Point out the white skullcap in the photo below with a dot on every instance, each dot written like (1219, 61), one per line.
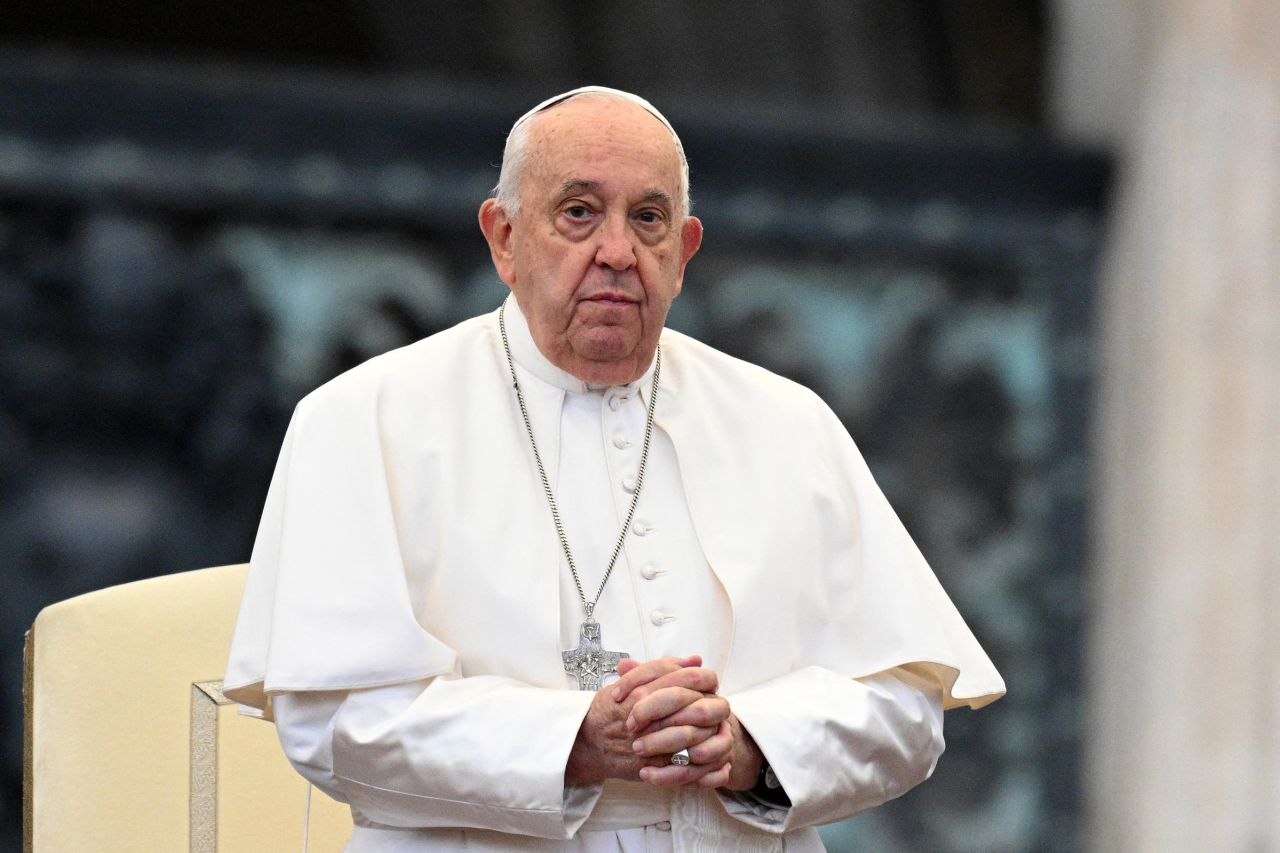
(603, 90)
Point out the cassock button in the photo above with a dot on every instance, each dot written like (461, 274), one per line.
(663, 826)
(650, 572)
(659, 618)
(616, 401)
(629, 483)
(621, 442)
(641, 528)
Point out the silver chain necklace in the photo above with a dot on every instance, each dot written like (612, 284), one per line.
(589, 661)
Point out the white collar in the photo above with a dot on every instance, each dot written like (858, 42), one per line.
(526, 354)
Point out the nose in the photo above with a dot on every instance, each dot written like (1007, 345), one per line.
(615, 248)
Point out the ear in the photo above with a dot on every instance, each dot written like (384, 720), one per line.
(498, 232)
(690, 241)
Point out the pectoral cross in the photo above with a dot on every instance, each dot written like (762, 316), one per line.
(589, 661)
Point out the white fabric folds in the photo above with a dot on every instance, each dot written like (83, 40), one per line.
(406, 536)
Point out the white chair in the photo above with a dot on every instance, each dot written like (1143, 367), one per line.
(130, 744)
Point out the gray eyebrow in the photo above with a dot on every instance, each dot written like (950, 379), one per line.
(569, 187)
(659, 196)
(577, 185)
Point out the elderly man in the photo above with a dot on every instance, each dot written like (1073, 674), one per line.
(560, 579)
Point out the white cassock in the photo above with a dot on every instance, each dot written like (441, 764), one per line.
(408, 600)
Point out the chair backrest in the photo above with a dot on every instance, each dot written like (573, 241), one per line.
(130, 744)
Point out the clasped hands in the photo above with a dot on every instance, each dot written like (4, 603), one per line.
(655, 709)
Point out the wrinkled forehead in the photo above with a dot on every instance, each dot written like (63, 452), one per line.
(603, 90)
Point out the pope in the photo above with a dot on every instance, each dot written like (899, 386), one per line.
(562, 579)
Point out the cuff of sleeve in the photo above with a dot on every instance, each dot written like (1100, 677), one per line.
(579, 802)
(497, 772)
(751, 810)
(839, 745)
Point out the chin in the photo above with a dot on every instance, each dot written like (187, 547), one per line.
(612, 365)
(607, 344)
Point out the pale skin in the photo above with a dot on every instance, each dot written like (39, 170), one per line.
(656, 708)
(598, 251)
(594, 258)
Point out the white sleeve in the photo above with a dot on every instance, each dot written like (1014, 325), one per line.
(838, 746)
(483, 752)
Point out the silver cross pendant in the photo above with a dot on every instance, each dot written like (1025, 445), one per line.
(589, 662)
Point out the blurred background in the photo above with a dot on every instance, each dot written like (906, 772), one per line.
(1026, 249)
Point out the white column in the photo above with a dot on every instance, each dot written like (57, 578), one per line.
(1184, 726)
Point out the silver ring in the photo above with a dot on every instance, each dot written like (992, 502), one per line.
(681, 758)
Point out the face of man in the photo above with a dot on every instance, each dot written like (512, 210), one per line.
(598, 250)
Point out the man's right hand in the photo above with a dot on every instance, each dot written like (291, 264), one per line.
(604, 746)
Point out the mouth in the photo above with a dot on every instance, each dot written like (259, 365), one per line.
(611, 298)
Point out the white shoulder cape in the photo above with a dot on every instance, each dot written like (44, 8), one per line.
(405, 534)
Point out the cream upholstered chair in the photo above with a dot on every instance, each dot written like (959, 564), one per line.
(130, 744)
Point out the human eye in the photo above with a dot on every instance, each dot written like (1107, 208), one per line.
(651, 217)
(652, 224)
(576, 217)
(576, 211)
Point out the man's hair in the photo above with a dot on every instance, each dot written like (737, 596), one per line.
(515, 156)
